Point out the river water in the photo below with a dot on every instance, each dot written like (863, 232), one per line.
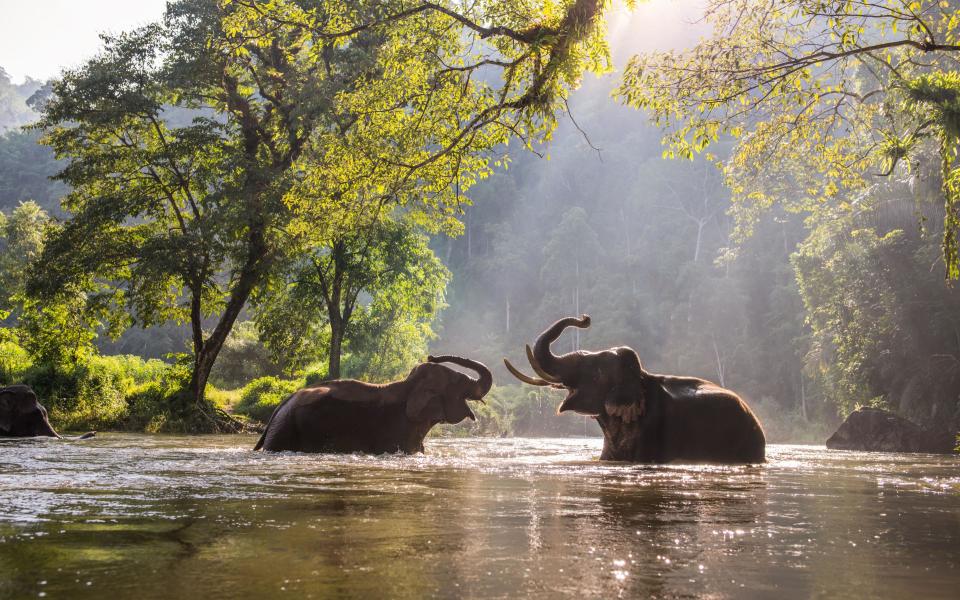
(136, 516)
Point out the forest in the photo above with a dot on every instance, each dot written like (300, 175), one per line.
(193, 229)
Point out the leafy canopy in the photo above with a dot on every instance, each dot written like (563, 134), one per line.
(201, 150)
(822, 97)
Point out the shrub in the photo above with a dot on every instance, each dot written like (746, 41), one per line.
(88, 395)
(259, 397)
(315, 378)
(223, 399)
(103, 392)
(163, 406)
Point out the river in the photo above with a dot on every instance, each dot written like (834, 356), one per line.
(137, 516)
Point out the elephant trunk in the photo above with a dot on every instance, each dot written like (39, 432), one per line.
(557, 367)
(486, 377)
(46, 429)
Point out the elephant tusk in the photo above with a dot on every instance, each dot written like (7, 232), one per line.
(527, 379)
(535, 364)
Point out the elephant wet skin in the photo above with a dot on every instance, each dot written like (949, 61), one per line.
(354, 416)
(646, 417)
(22, 415)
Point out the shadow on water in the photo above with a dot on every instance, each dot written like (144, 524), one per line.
(151, 517)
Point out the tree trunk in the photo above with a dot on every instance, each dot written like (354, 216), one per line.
(626, 232)
(507, 300)
(336, 345)
(696, 250)
(205, 359)
(196, 318)
(210, 349)
(803, 398)
(716, 353)
(576, 307)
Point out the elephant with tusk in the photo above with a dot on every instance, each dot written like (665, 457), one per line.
(646, 417)
(353, 416)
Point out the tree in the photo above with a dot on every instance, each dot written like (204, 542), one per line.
(885, 330)
(822, 96)
(21, 241)
(55, 333)
(304, 117)
(352, 293)
(15, 108)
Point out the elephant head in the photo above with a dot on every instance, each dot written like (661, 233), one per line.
(439, 394)
(610, 381)
(22, 415)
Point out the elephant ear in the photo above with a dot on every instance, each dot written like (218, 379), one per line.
(8, 406)
(425, 399)
(626, 399)
(425, 405)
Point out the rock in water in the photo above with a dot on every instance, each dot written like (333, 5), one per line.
(875, 430)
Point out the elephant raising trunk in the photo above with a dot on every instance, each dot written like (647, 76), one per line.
(555, 371)
(553, 368)
(646, 417)
(483, 383)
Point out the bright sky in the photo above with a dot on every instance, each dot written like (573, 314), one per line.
(39, 38)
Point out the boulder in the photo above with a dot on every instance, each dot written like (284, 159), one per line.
(875, 430)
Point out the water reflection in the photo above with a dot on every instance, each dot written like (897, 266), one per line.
(204, 517)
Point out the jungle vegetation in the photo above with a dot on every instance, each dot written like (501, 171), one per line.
(253, 196)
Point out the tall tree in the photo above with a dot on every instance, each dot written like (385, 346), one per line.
(350, 293)
(822, 96)
(21, 241)
(885, 328)
(203, 148)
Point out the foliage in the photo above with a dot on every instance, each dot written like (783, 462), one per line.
(15, 106)
(201, 149)
(821, 96)
(94, 393)
(372, 294)
(647, 232)
(14, 362)
(21, 241)
(261, 396)
(885, 330)
(789, 426)
(60, 331)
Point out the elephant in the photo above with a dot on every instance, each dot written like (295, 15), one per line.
(22, 415)
(346, 415)
(645, 417)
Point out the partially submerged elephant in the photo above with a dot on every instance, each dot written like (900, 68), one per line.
(353, 416)
(22, 415)
(646, 417)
